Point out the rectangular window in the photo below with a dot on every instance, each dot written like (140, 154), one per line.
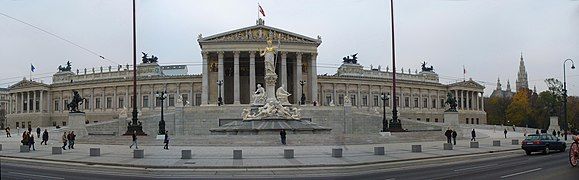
(171, 100)
(353, 100)
(97, 103)
(131, 101)
(459, 103)
(398, 101)
(472, 120)
(415, 102)
(197, 99)
(477, 121)
(424, 102)
(341, 99)
(185, 98)
(365, 100)
(37, 105)
(109, 103)
(433, 103)
(427, 119)
(121, 103)
(17, 124)
(23, 125)
(157, 101)
(145, 101)
(64, 105)
(56, 106)
(63, 123)
(328, 99)
(435, 119)
(87, 104)
(467, 120)
(406, 102)
(441, 103)
(25, 108)
(388, 101)
(376, 100)
(418, 119)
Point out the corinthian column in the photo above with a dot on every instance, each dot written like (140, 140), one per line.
(251, 74)
(236, 77)
(284, 69)
(220, 74)
(298, 78)
(205, 80)
(313, 73)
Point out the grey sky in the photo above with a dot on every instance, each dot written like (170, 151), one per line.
(486, 36)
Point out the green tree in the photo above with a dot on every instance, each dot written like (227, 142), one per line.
(519, 110)
(496, 109)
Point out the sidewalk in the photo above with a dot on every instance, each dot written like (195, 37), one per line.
(253, 157)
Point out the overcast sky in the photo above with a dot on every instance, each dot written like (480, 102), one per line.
(485, 36)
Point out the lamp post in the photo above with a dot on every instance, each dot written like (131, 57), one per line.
(219, 99)
(395, 125)
(135, 126)
(162, 96)
(303, 98)
(565, 95)
(384, 97)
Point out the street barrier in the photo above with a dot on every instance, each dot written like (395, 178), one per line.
(138, 153)
(186, 154)
(95, 151)
(416, 148)
(56, 150)
(496, 143)
(379, 151)
(337, 152)
(237, 154)
(447, 146)
(24, 148)
(474, 144)
(515, 142)
(288, 153)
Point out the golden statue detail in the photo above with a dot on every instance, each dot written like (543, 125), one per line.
(268, 53)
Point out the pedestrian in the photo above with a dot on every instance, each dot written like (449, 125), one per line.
(537, 132)
(8, 132)
(554, 133)
(68, 136)
(473, 135)
(44, 137)
(282, 135)
(24, 138)
(505, 133)
(31, 142)
(514, 128)
(29, 129)
(134, 140)
(72, 140)
(558, 133)
(454, 134)
(166, 141)
(64, 139)
(38, 131)
(448, 134)
(17, 129)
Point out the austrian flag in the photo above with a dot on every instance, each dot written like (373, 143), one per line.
(261, 10)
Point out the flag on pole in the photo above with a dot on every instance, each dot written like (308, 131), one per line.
(261, 10)
(463, 70)
(32, 68)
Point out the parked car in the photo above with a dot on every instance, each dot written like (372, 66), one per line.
(542, 143)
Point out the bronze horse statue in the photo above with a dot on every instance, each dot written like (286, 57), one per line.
(75, 103)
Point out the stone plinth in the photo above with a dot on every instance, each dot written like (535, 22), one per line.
(416, 148)
(186, 154)
(24, 148)
(553, 124)
(288, 153)
(95, 151)
(56, 150)
(474, 144)
(76, 123)
(451, 121)
(237, 154)
(496, 143)
(138, 153)
(379, 151)
(448, 146)
(515, 142)
(337, 152)
(0, 147)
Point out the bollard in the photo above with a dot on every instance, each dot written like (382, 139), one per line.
(474, 144)
(496, 143)
(378, 150)
(337, 152)
(288, 153)
(24, 148)
(447, 146)
(186, 154)
(0, 147)
(95, 151)
(138, 153)
(416, 148)
(515, 142)
(237, 154)
(56, 150)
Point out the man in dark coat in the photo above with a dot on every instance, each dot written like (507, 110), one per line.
(38, 131)
(282, 134)
(166, 140)
(135, 143)
(454, 134)
(448, 134)
(473, 134)
(31, 142)
(44, 137)
(505, 133)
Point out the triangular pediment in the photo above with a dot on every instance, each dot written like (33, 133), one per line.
(259, 33)
(469, 83)
(27, 84)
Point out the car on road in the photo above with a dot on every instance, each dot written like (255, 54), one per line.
(542, 143)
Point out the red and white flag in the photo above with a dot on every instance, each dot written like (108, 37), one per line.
(261, 10)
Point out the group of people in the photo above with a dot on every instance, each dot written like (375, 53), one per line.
(450, 135)
(28, 138)
(68, 139)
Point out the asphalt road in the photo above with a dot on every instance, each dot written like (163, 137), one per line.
(514, 165)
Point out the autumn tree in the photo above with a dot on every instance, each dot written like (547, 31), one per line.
(519, 110)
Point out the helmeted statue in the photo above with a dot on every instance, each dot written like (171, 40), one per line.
(268, 53)
(76, 101)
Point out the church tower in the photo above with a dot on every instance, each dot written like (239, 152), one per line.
(499, 86)
(508, 86)
(522, 81)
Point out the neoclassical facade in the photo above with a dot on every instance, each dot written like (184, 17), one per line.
(233, 58)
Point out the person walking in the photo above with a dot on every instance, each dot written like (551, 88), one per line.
(454, 134)
(473, 135)
(68, 136)
(448, 134)
(8, 132)
(558, 133)
(17, 130)
(44, 137)
(38, 131)
(537, 132)
(166, 140)
(554, 133)
(25, 137)
(505, 133)
(31, 142)
(72, 140)
(64, 139)
(134, 140)
(282, 135)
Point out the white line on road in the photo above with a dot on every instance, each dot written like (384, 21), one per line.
(476, 167)
(41, 176)
(519, 173)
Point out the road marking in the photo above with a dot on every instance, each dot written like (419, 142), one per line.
(24, 174)
(476, 167)
(519, 173)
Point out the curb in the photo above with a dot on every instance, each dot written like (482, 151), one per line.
(262, 167)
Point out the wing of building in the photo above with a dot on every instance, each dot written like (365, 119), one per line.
(233, 58)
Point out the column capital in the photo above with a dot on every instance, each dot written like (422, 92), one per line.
(220, 53)
(299, 54)
(252, 54)
(205, 54)
(236, 54)
(314, 54)
(284, 53)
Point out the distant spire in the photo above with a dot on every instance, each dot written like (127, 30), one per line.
(508, 85)
(522, 81)
(499, 86)
(535, 88)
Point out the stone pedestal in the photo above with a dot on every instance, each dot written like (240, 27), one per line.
(496, 143)
(451, 121)
(416, 148)
(474, 144)
(186, 154)
(138, 153)
(515, 142)
(76, 123)
(95, 151)
(56, 150)
(237, 154)
(379, 151)
(337, 152)
(553, 124)
(448, 146)
(24, 148)
(288, 153)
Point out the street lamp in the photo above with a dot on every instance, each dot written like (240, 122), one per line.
(565, 95)
(395, 125)
(135, 126)
(303, 98)
(384, 97)
(161, 96)
(219, 99)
